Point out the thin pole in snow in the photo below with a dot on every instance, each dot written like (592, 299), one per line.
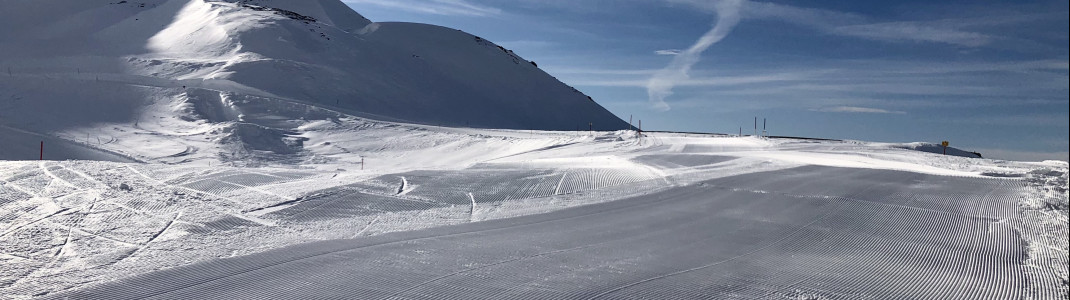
(362, 163)
(629, 122)
(42, 157)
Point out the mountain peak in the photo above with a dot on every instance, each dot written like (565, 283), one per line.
(331, 12)
(96, 63)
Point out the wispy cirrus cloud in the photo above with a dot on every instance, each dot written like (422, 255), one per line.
(983, 83)
(912, 67)
(599, 72)
(912, 31)
(859, 26)
(668, 52)
(436, 7)
(729, 13)
(857, 109)
(660, 86)
(696, 81)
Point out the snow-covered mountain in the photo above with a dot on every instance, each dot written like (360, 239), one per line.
(198, 149)
(211, 65)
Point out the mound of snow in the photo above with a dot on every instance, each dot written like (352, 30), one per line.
(938, 149)
(260, 138)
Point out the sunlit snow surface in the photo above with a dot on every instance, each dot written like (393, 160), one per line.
(725, 216)
(204, 148)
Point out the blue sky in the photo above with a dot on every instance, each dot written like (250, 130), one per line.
(988, 76)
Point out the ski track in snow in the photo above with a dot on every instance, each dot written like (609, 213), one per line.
(242, 185)
(230, 212)
(834, 238)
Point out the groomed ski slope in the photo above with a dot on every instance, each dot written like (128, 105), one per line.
(239, 149)
(789, 218)
(808, 232)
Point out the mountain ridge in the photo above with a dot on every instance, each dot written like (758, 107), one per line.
(113, 64)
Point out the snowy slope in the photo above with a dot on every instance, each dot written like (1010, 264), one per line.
(69, 225)
(211, 132)
(313, 51)
(937, 148)
(111, 65)
(800, 233)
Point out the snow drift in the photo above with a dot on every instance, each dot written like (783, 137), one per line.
(938, 149)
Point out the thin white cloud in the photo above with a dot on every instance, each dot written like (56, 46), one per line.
(695, 82)
(859, 26)
(810, 17)
(913, 31)
(436, 7)
(857, 109)
(1059, 65)
(947, 68)
(897, 84)
(668, 52)
(662, 83)
(597, 71)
